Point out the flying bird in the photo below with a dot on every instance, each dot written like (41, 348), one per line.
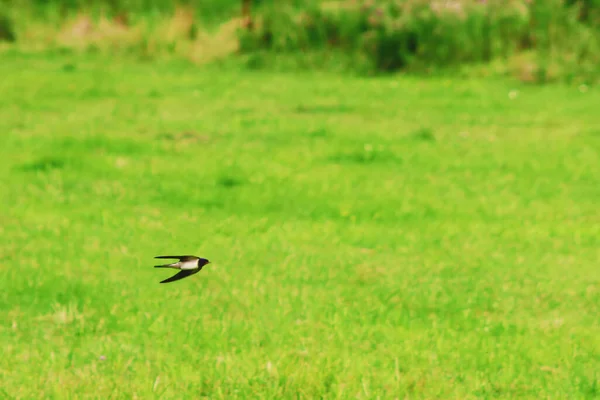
(188, 265)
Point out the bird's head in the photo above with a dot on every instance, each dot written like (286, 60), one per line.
(202, 262)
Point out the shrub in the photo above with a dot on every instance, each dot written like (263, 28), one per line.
(423, 34)
(7, 30)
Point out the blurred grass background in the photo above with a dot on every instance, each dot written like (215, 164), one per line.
(535, 41)
(429, 232)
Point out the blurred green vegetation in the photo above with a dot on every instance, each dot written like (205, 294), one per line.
(558, 40)
(536, 41)
(208, 9)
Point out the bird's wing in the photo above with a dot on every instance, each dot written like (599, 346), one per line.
(181, 258)
(180, 275)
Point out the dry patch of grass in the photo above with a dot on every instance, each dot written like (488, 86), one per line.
(224, 42)
(83, 32)
(181, 34)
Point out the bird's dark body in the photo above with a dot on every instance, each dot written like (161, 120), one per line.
(188, 265)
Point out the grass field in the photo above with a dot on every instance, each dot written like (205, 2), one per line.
(384, 238)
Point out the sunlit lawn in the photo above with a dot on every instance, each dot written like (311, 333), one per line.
(385, 238)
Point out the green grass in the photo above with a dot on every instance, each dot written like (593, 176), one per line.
(383, 238)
